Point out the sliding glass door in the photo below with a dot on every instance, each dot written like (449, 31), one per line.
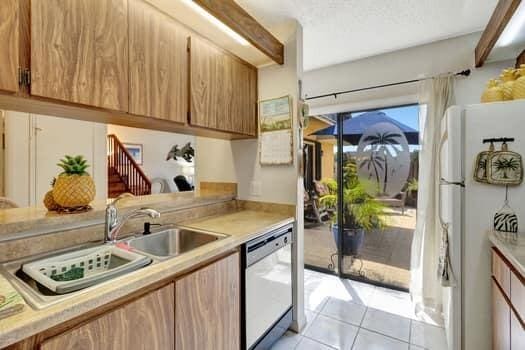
(370, 200)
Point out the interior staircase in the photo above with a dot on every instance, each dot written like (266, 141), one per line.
(124, 174)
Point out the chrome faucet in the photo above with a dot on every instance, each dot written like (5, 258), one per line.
(113, 223)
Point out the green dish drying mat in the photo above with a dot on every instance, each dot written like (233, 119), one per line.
(71, 275)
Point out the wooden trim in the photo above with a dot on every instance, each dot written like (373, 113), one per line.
(39, 105)
(500, 18)
(240, 21)
(520, 59)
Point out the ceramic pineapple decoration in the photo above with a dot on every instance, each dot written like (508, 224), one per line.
(508, 78)
(49, 200)
(518, 92)
(493, 92)
(74, 187)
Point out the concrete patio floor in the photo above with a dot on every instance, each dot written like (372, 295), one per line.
(385, 254)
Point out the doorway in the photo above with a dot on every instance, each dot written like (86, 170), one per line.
(375, 159)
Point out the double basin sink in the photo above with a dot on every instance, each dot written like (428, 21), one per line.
(106, 262)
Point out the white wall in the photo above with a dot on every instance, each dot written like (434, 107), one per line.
(450, 55)
(35, 144)
(277, 184)
(215, 161)
(156, 145)
(468, 91)
(17, 164)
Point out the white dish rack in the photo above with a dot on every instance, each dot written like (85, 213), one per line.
(96, 264)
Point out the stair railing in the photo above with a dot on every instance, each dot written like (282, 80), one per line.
(129, 171)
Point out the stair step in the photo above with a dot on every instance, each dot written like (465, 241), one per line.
(117, 186)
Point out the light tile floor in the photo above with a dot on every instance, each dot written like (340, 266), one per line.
(350, 315)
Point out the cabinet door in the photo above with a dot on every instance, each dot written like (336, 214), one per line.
(146, 323)
(9, 37)
(517, 333)
(208, 307)
(500, 320)
(501, 272)
(223, 89)
(158, 64)
(79, 51)
(517, 298)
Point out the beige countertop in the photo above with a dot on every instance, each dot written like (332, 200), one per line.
(32, 221)
(241, 226)
(512, 247)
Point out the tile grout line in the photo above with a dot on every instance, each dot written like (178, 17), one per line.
(386, 336)
(318, 341)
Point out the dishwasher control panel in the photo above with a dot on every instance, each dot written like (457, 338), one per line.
(263, 246)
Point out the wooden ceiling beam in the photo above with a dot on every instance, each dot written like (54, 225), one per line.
(240, 21)
(501, 16)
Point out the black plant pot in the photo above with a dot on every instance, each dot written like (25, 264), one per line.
(353, 239)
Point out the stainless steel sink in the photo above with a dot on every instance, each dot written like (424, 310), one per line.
(39, 296)
(161, 245)
(172, 242)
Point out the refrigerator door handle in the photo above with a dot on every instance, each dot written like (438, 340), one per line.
(444, 182)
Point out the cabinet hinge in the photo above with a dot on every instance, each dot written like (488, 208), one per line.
(188, 116)
(24, 77)
(188, 44)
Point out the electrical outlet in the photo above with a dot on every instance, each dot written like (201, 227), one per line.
(255, 188)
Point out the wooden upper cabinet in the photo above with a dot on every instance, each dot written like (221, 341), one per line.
(146, 323)
(158, 64)
(9, 37)
(223, 89)
(79, 51)
(208, 307)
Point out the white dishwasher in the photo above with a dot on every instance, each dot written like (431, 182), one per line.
(267, 288)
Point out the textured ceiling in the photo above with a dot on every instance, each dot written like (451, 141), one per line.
(337, 31)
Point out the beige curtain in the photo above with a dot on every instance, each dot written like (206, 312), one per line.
(436, 95)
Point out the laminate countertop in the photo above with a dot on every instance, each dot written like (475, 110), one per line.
(512, 247)
(241, 226)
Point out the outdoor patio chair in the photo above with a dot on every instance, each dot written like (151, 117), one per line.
(398, 201)
(313, 210)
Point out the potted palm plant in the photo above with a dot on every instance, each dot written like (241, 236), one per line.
(361, 212)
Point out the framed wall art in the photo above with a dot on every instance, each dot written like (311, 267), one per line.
(135, 150)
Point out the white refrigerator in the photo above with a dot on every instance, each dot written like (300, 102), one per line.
(468, 208)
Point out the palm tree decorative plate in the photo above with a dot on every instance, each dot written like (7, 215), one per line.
(480, 166)
(504, 167)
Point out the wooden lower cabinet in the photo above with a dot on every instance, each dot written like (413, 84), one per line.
(517, 333)
(198, 311)
(207, 307)
(146, 323)
(500, 320)
(508, 305)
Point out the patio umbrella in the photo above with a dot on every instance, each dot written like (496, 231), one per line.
(354, 127)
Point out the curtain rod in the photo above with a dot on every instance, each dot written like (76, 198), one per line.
(465, 73)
